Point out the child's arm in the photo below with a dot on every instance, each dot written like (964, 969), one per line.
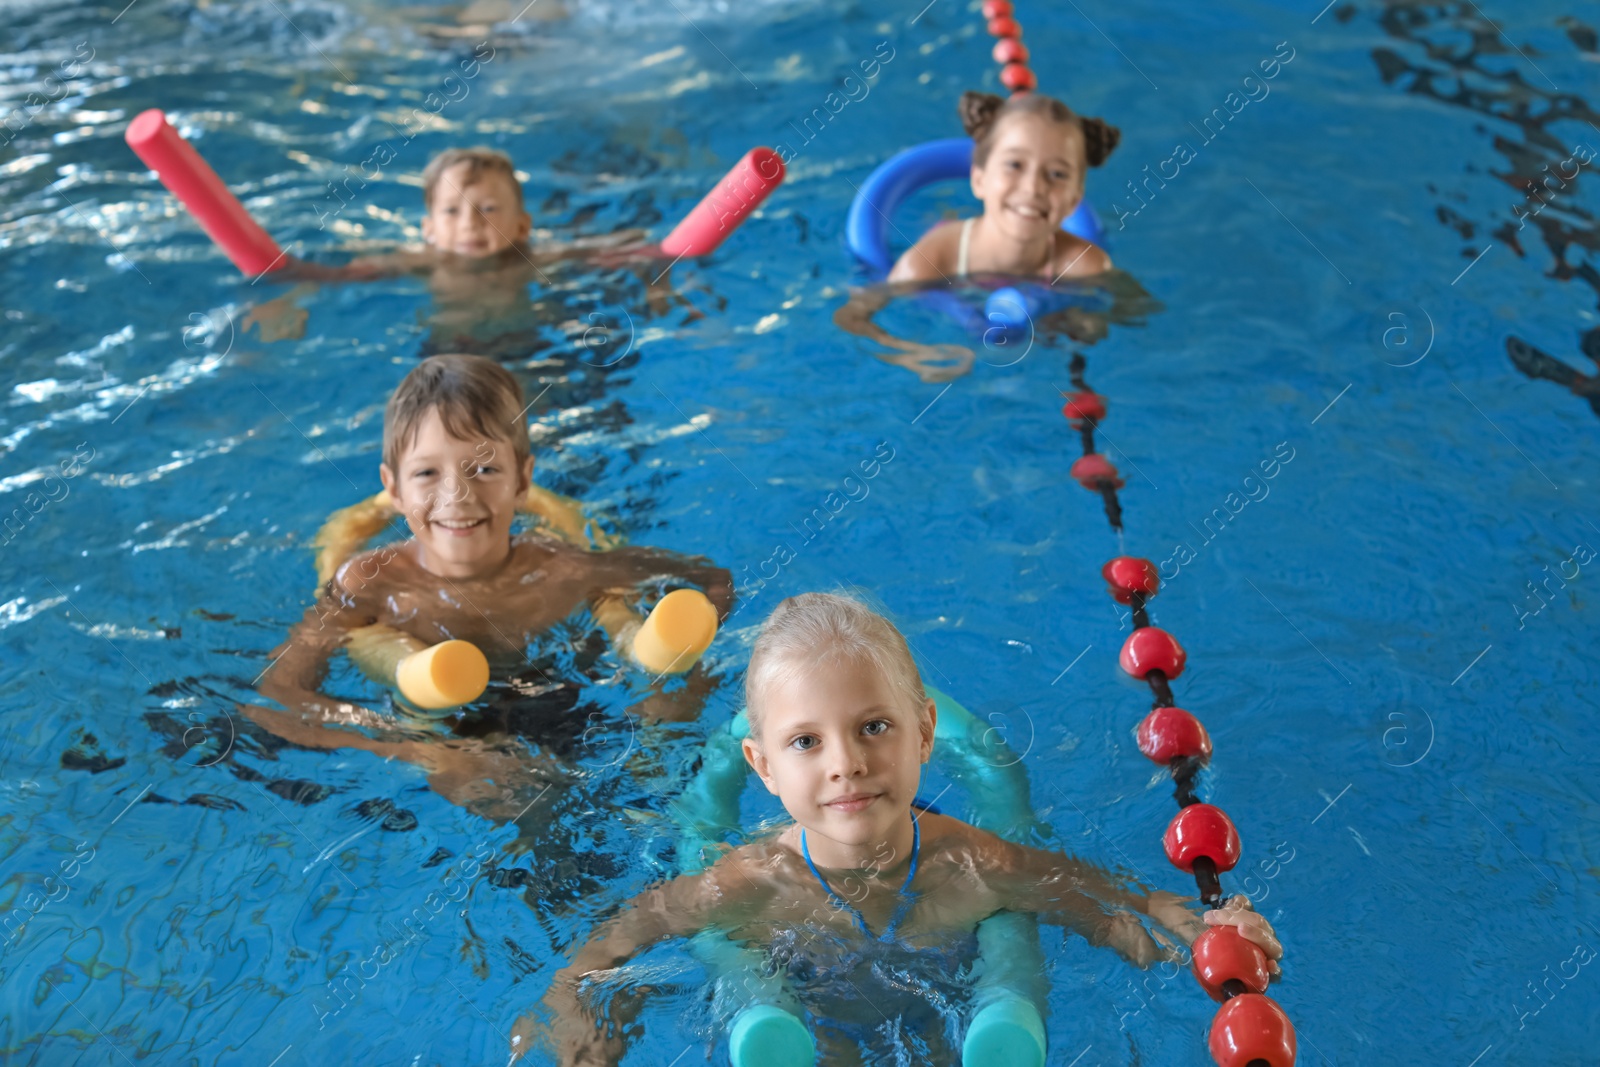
(627, 568)
(297, 668)
(1078, 258)
(1168, 910)
(724, 894)
(360, 269)
(295, 674)
(1070, 892)
(608, 249)
(281, 318)
(926, 261)
(488, 780)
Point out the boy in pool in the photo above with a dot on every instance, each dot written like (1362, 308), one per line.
(477, 259)
(1030, 154)
(456, 461)
(839, 729)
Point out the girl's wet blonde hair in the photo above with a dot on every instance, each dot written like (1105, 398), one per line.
(818, 631)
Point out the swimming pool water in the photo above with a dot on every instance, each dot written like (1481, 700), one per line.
(1387, 639)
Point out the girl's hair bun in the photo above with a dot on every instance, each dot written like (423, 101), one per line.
(981, 114)
(1099, 138)
(978, 111)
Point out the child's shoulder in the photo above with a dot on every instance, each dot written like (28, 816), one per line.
(933, 257)
(369, 573)
(946, 839)
(536, 552)
(751, 873)
(1077, 258)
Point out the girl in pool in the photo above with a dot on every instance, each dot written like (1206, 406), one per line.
(839, 730)
(1029, 157)
(1030, 154)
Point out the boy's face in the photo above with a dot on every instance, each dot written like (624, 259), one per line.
(1033, 178)
(459, 497)
(844, 752)
(481, 219)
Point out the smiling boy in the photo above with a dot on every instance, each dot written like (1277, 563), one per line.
(456, 461)
(477, 258)
(839, 729)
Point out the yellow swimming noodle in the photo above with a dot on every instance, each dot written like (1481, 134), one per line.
(445, 675)
(670, 640)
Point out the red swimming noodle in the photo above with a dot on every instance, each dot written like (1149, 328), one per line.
(739, 193)
(191, 179)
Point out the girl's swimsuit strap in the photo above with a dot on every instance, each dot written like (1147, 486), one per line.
(966, 244)
(905, 901)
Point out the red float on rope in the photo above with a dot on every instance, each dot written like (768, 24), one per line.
(1010, 50)
(1250, 1030)
(1095, 468)
(1150, 648)
(1201, 831)
(1252, 1027)
(1018, 78)
(1127, 575)
(1004, 26)
(996, 9)
(1080, 406)
(1167, 734)
(1223, 954)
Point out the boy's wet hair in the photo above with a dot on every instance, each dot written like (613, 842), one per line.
(479, 161)
(981, 114)
(477, 399)
(815, 631)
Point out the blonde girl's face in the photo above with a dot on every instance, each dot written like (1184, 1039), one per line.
(1033, 178)
(843, 750)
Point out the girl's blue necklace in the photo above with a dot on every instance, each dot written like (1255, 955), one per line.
(905, 898)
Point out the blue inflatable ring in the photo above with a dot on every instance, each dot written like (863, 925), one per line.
(867, 228)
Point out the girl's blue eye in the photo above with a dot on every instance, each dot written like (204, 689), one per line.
(882, 724)
(805, 743)
(488, 470)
